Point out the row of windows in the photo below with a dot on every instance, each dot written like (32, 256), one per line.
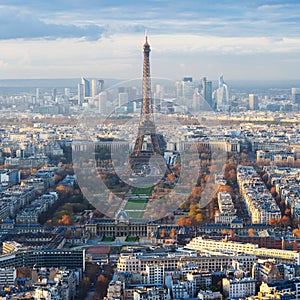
(242, 287)
(50, 259)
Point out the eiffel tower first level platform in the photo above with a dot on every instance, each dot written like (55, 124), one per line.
(146, 146)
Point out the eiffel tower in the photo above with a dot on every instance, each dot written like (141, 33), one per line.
(142, 151)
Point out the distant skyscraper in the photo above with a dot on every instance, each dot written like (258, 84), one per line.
(101, 85)
(37, 94)
(86, 85)
(253, 102)
(67, 93)
(159, 89)
(221, 81)
(178, 86)
(295, 91)
(158, 96)
(207, 91)
(80, 94)
(188, 79)
(97, 87)
(196, 100)
(131, 107)
(185, 91)
(123, 98)
(221, 95)
(94, 89)
(102, 104)
(54, 94)
(296, 96)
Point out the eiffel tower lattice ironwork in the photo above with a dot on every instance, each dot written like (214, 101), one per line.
(141, 156)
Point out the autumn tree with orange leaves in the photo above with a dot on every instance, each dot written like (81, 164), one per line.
(173, 233)
(251, 232)
(296, 233)
(65, 220)
(181, 221)
(185, 221)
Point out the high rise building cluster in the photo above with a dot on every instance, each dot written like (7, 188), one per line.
(197, 96)
(89, 89)
(186, 95)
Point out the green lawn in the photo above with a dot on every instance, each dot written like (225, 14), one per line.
(108, 239)
(135, 214)
(143, 191)
(132, 239)
(136, 205)
(138, 200)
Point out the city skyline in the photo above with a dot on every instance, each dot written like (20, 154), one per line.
(148, 188)
(258, 40)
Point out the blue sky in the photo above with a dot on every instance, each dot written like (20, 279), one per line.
(69, 38)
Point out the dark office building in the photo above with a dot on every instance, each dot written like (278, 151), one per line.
(71, 259)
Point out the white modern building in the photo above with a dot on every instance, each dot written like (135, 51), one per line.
(155, 274)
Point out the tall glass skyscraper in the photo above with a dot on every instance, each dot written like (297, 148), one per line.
(207, 91)
(87, 89)
(221, 95)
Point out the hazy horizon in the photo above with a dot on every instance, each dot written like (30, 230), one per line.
(64, 82)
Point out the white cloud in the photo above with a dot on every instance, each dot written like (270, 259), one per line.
(3, 64)
(184, 43)
(278, 7)
(120, 56)
(21, 23)
(272, 7)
